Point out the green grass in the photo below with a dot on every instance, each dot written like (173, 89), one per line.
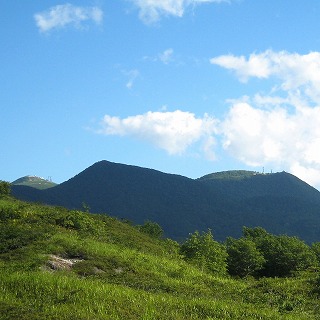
(230, 175)
(125, 274)
(65, 296)
(34, 182)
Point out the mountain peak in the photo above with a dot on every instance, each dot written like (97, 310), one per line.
(34, 182)
(230, 175)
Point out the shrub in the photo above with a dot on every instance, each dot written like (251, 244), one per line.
(244, 258)
(152, 229)
(203, 251)
(283, 254)
(4, 188)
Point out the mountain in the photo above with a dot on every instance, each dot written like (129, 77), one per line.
(34, 182)
(241, 184)
(224, 202)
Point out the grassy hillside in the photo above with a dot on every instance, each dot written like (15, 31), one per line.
(62, 264)
(229, 175)
(34, 182)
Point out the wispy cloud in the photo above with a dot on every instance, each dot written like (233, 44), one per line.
(151, 10)
(166, 56)
(131, 75)
(67, 14)
(172, 131)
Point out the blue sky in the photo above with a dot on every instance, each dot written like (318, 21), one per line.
(186, 86)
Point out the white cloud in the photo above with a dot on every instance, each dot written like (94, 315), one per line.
(67, 14)
(132, 76)
(295, 71)
(275, 137)
(256, 66)
(280, 129)
(209, 148)
(151, 10)
(172, 131)
(310, 175)
(166, 56)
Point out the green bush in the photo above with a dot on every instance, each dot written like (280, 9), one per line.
(284, 255)
(316, 249)
(153, 229)
(244, 259)
(203, 251)
(14, 236)
(4, 188)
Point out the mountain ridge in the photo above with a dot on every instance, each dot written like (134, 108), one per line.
(278, 202)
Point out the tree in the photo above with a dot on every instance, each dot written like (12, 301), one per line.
(254, 233)
(206, 253)
(316, 249)
(283, 254)
(153, 229)
(4, 188)
(244, 258)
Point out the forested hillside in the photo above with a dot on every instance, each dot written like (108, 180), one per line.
(57, 263)
(224, 202)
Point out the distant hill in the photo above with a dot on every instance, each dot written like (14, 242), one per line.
(34, 182)
(229, 175)
(224, 202)
(241, 184)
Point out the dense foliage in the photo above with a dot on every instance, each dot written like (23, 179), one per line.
(69, 264)
(283, 255)
(244, 258)
(4, 188)
(206, 253)
(153, 229)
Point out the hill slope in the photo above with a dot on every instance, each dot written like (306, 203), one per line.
(34, 182)
(61, 264)
(278, 202)
(241, 184)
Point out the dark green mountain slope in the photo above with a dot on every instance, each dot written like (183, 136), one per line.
(137, 194)
(241, 184)
(278, 202)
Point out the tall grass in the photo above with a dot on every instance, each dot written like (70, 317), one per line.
(65, 296)
(124, 274)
